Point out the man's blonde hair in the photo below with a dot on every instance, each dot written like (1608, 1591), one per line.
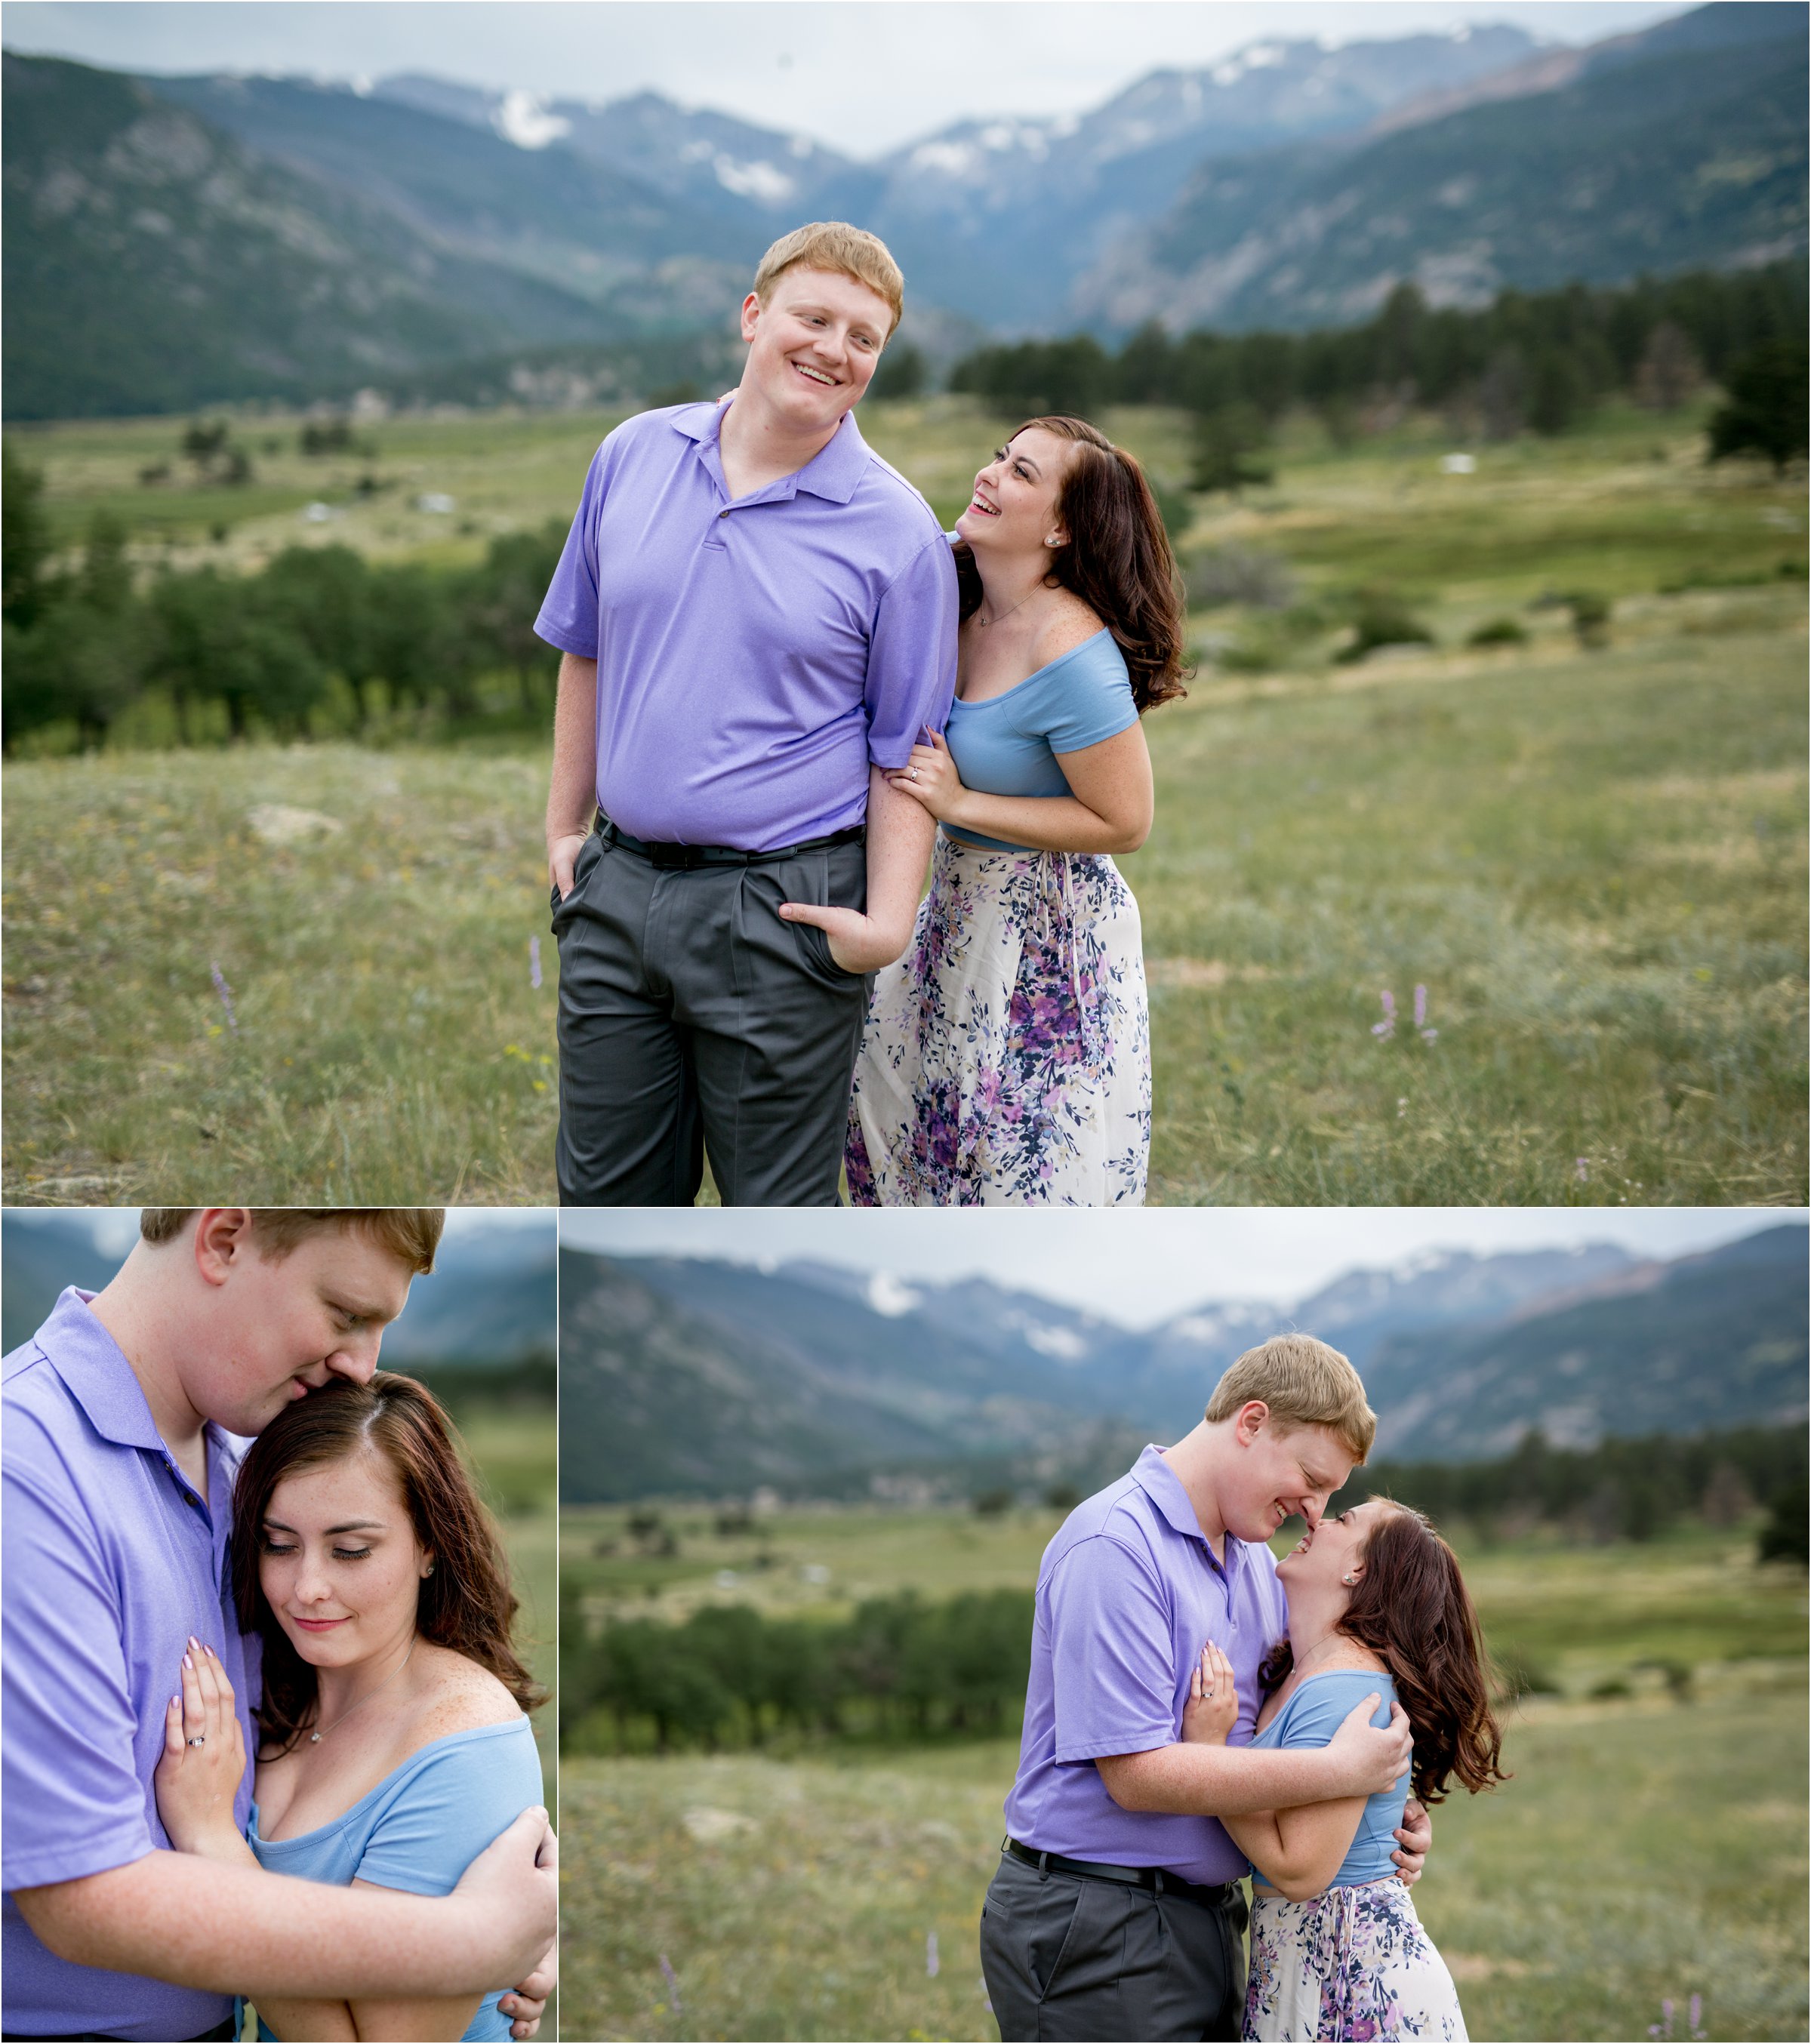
(848, 252)
(1305, 1384)
(410, 1234)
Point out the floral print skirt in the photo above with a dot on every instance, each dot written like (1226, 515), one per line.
(1353, 1963)
(1006, 1060)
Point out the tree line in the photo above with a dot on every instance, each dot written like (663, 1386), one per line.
(1620, 1489)
(1532, 361)
(898, 1667)
(321, 630)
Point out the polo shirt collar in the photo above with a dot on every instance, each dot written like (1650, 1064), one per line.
(1164, 1487)
(834, 473)
(100, 1379)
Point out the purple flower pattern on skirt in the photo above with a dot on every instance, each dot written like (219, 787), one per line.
(1353, 1964)
(1006, 1060)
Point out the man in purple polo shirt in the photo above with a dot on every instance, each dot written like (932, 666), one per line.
(1117, 1912)
(125, 1416)
(758, 617)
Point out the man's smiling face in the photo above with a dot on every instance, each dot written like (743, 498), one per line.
(813, 347)
(1280, 1474)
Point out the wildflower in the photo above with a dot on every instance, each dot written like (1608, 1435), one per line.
(1581, 1170)
(1664, 2026)
(1386, 1028)
(672, 1981)
(1427, 1036)
(534, 962)
(225, 993)
(931, 1955)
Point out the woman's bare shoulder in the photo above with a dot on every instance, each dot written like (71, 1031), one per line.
(1071, 622)
(459, 1696)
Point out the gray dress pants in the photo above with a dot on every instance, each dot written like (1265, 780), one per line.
(1095, 1962)
(692, 1018)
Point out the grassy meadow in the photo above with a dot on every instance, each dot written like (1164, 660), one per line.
(1591, 857)
(1649, 1849)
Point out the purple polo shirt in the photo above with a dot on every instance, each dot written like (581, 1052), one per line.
(109, 1561)
(755, 655)
(1128, 1594)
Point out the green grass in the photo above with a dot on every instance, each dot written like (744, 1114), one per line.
(1594, 861)
(389, 1048)
(1643, 1851)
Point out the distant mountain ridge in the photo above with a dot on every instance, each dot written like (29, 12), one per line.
(683, 1374)
(176, 242)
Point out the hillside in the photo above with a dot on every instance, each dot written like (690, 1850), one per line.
(1666, 158)
(153, 263)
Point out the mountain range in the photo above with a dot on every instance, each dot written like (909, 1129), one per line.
(689, 1375)
(490, 1301)
(174, 242)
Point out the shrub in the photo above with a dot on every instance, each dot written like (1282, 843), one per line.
(1499, 631)
(1381, 618)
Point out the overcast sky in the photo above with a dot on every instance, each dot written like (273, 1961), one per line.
(861, 75)
(1142, 1267)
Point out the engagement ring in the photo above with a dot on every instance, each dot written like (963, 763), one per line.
(200, 1741)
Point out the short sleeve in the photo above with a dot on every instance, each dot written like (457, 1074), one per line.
(1111, 1653)
(568, 616)
(911, 661)
(74, 1803)
(1094, 701)
(1317, 1709)
(458, 1800)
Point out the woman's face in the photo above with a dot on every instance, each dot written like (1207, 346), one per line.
(1323, 1558)
(339, 1562)
(1013, 508)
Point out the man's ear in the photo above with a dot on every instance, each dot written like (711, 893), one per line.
(1250, 1421)
(223, 1236)
(751, 311)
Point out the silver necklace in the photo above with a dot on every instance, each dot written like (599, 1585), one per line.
(315, 1738)
(984, 622)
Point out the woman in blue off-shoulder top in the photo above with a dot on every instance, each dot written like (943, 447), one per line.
(1007, 1057)
(1377, 1607)
(394, 1742)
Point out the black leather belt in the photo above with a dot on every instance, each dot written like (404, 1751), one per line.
(687, 856)
(1152, 1878)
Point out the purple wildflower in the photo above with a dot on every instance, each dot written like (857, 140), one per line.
(1421, 1006)
(225, 993)
(1387, 1026)
(534, 962)
(672, 1981)
(931, 1955)
(1697, 2013)
(1582, 1169)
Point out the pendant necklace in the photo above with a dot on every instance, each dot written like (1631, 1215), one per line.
(314, 1738)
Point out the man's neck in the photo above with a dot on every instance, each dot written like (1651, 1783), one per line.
(135, 1310)
(757, 447)
(1195, 1466)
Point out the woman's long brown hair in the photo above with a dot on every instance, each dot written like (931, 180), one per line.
(1412, 1609)
(465, 1604)
(1118, 559)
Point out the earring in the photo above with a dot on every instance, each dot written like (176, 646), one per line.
(1348, 1579)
